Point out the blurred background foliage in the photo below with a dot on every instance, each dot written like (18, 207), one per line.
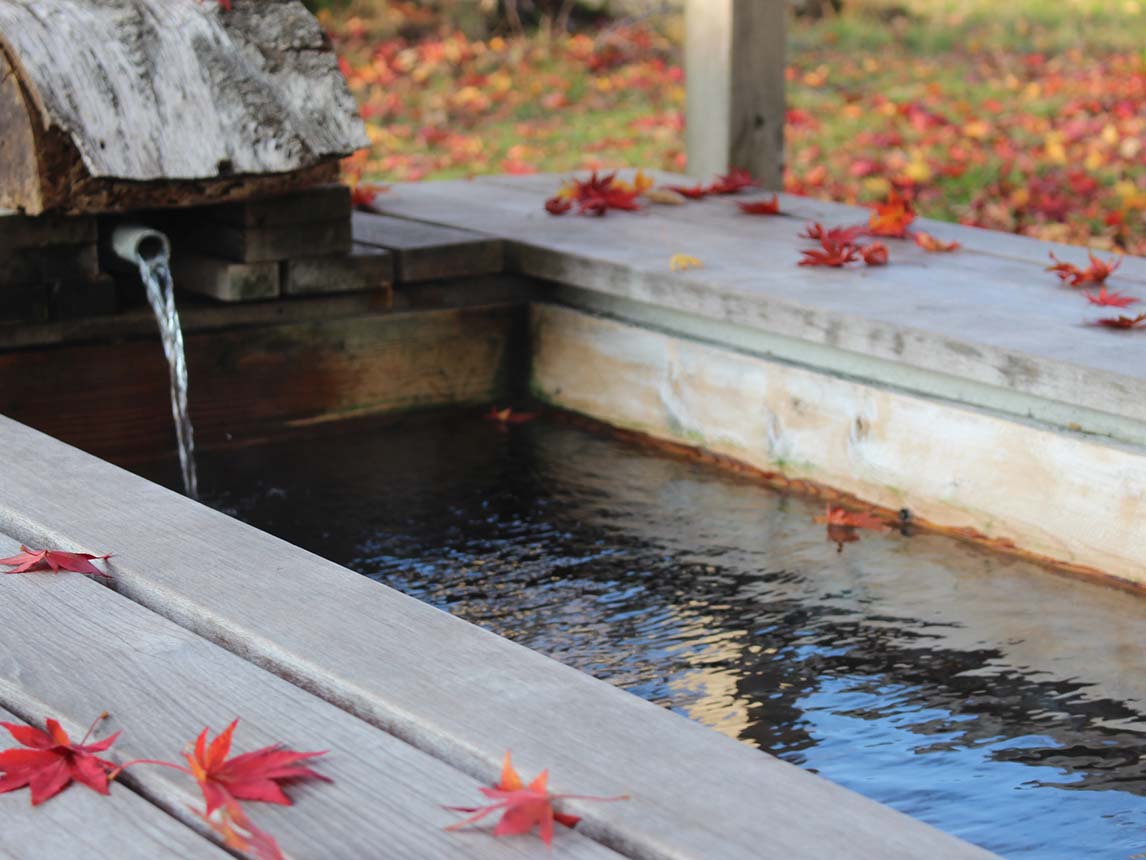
(1027, 116)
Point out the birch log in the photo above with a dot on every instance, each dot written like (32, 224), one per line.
(163, 102)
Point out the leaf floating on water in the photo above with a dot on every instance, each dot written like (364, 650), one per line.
(684, 262)
(523, 807)
(54, 560)
(49, 762)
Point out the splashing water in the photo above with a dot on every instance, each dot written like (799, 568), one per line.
(156, 274)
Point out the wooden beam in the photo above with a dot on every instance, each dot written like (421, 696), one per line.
(734, 63)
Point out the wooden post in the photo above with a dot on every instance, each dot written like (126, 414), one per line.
(734, 62)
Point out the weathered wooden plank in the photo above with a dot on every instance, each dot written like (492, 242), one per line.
(227, 280)
(162, 685)
(79, 824)
(216, 93)
(1003, 480)
(260, 244)
(427, 252)
(735, 108)
(365, 268)
(112, 398)
(19, 169)
(23, 231)
(695, 793)
(947, 314)
(330, 202)
(23, 266)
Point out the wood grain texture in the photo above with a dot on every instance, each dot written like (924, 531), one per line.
(735, 108)
(150, 89)
(248, 383)
(19, 169)
(951, 314)
(447, 687)
(428, 252)
(162, 685)
(364, 269)
(79, 824)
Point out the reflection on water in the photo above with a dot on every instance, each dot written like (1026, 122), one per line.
(984, 695)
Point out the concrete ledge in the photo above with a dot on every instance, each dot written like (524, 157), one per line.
(1066, 496)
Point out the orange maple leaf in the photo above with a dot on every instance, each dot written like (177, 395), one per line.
(523, 806)
(933, 245)
(892, 217)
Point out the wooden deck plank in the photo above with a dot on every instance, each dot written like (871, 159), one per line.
(428, 252)
(79, 824)
(447, 687)
(161, 684)
(994, 318)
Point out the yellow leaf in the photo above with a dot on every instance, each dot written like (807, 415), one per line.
(682, 262)
(665, 196)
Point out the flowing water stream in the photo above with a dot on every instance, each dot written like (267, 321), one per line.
(156, 274)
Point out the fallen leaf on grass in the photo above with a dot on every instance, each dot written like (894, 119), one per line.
(509, 415)
(762, 207)
(54, 560)
(50, 762)
(524, 807)
(874, 254)
(892, 217)
(1110, 299)
(1096, 273)
(683, 262)
(933, 245)
(1122, 322)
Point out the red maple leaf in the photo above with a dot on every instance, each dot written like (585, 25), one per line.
(835, 254)
(241, 834)
(50, 762)
(874, 254)
(365, 194)
(1110, 299)
(558, 205)
(251, 776)
(692, 192)
(35, 560)
(892, 217)
(732, 182)
(598, 194)
(818, 233)
(1096, 273)
(1122, 321)
(762, 207)
(524, 806)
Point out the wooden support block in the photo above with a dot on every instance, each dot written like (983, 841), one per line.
(261, 244)
(428, 252)
(226, 280)
(22, 231)
(77, 299)
(25, 304)
(40, 265)
(320, 203)
(364, 269)
(735, 110)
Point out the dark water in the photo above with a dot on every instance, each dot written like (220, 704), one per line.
(983, 695)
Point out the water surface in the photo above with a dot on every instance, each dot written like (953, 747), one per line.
(984, 695)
